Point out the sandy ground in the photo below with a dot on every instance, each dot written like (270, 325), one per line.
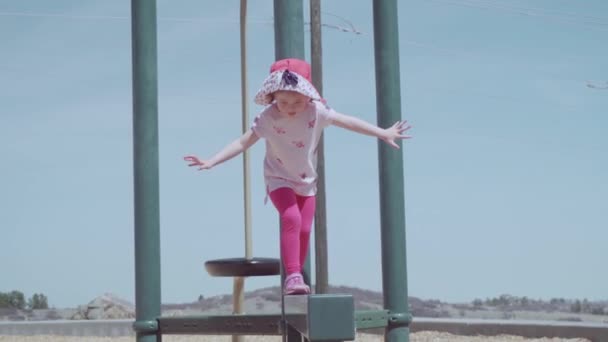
(414, 337)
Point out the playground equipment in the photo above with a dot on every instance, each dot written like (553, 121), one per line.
(241, 268)
(319, 317)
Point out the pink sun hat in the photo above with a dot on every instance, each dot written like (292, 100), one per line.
(288, 74)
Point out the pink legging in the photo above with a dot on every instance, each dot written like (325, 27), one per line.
(296, 213)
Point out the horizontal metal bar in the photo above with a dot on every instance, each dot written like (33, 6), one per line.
(249, 324)
(593, 331)
(322, 317)
(317, 317)
(370, 319)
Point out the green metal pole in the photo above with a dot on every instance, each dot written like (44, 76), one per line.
(288, 29)
(392, 207)
(289, 43)
(146, 180)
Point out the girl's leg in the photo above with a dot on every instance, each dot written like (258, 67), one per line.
(307, 205)
(284, 199)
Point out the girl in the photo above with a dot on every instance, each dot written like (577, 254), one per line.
(292, 124)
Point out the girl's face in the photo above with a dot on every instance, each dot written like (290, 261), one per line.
(290, 102)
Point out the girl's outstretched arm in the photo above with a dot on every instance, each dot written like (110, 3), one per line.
(388, 135)
(230, 151)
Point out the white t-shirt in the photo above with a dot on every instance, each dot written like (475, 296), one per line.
(291, 146)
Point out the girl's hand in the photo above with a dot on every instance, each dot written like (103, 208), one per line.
(396, 132)
(202, 164)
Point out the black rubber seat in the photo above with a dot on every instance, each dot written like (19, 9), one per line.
(242, 267)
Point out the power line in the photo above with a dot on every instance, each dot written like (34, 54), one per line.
(593, 85)
(535, 11)
(108, 17)
(349, 28)
(564, 17)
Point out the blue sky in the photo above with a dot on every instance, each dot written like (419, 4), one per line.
(505, 180)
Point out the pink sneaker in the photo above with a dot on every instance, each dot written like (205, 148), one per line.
(294, 284)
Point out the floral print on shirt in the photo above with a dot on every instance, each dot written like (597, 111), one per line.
(292, 145)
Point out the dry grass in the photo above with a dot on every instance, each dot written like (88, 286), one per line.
(425, 336)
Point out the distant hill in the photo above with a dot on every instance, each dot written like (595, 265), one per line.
(266, 300)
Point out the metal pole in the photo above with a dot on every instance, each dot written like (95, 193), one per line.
(146, 180)
(245, 127)
(289, 43)
(392, 207)
(288, 29)
(316, 48)
(238, 292)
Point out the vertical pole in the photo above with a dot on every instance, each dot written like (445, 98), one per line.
(238, 292)
(244, 128)
(392, 216)
(288, 29)
(316, 48)
(146, 179)
(289, 43)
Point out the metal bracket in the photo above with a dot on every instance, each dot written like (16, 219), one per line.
(399, 319)
(370, 319)
(145, 326)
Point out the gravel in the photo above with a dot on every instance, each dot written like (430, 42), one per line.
(424, 336)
